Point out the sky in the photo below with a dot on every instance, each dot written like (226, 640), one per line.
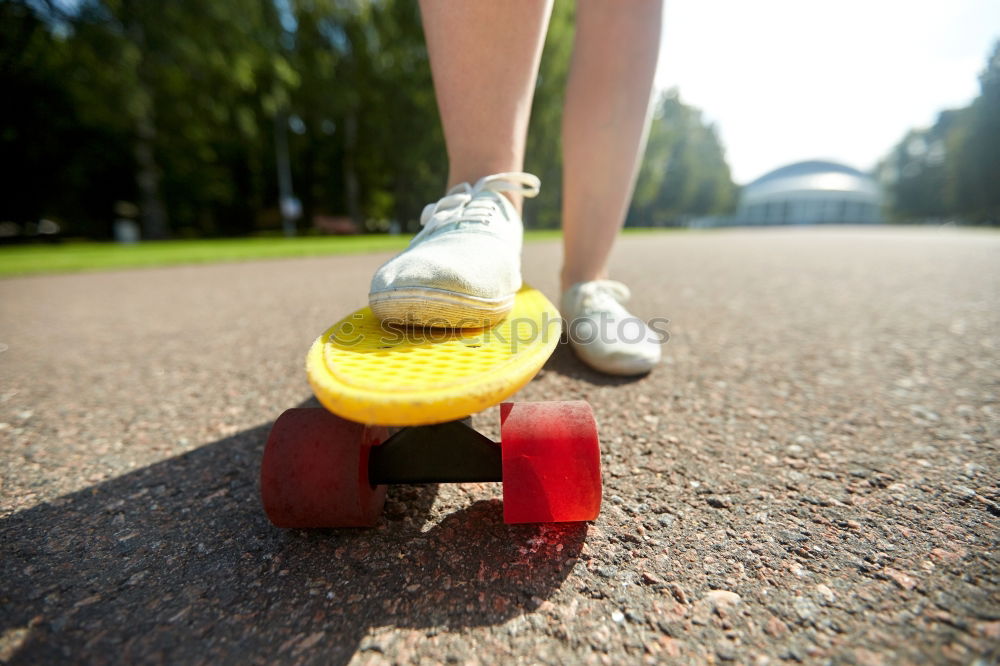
(791, 80)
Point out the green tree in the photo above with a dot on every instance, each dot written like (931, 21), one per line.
(543, 152)
(61, 159)
(684, 171)
(974, 170)
(917, 172)
(184, 107)
(182, 84)
(951, 169)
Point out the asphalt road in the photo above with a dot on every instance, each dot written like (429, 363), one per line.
(811, 475)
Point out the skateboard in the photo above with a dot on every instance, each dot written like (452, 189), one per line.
(396, 402)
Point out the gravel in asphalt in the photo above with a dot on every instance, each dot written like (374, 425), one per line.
(810, 476)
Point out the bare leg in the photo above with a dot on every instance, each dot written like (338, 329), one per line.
(484, 59)
(604, 123)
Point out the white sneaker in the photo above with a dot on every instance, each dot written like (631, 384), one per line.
(464, 267)
(605, 335)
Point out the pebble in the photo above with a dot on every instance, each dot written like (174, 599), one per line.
(665, 520)
(726, 652)
(315, 638)
(719, 502)
(903, 580)
(805, 608)
(924, 413)
(972, 469)
(964, 492)
(677, 592)
(989, 630)
(775, 627)
(722, 598)
(946, 556)
(651, 579)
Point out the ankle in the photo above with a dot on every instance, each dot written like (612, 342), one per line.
(472, 176)
(570, 278)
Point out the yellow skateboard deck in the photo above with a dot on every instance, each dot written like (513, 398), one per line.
(374, 373)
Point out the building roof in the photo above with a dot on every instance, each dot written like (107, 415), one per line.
(812, 176)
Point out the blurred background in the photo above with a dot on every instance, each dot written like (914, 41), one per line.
(130, 119)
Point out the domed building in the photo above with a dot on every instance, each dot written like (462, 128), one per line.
(813, 192)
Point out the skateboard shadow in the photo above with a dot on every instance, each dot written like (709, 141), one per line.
(176, 562)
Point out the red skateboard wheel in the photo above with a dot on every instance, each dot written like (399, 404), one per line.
(551, 462)
(315, 471)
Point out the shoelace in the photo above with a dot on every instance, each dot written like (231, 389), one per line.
(476, 203)
(602, 296)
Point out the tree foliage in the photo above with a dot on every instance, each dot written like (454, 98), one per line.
(951, 170)
(684, 173)
(182, 107)
(544, 147)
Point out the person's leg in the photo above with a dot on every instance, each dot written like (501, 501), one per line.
(604, 121)
(464, 268)
(484, 58)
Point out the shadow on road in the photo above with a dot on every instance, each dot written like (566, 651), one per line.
(176, 562)
(565, 362)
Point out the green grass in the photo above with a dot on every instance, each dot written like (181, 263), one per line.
(90, 256)
(87, 256)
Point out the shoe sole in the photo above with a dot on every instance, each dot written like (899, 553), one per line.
(438, 308)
